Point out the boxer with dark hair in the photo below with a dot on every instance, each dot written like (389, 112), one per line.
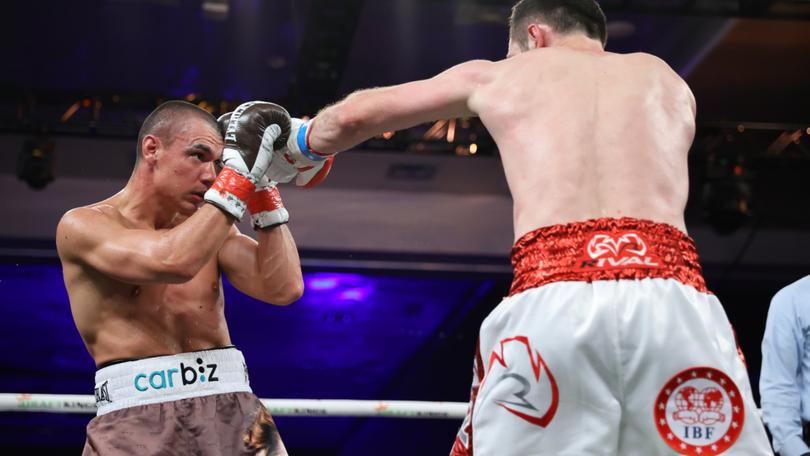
(143, 272)
(163, 122)
(609, 342)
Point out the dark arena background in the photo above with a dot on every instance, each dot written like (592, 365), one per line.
(405, 247)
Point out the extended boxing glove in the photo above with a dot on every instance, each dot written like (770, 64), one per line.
(298, 161)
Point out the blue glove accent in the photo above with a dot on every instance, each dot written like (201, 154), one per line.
(301, 139)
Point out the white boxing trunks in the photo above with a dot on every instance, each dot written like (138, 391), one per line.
(609, 344)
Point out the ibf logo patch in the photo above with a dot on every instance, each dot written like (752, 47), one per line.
(519, 381)
(700, 412)
(168, 378)
(617, 250)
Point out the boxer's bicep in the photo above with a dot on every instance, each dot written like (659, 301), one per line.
(460, 83)
(88, 237)
(443, 96)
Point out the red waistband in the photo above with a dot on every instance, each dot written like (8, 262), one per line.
(605, 249)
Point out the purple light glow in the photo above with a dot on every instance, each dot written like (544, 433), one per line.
(322, 283)
(355, 294)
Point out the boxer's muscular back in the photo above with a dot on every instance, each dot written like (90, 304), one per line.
(118, 320)
(585, 135)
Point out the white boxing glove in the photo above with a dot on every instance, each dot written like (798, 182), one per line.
(298, 161)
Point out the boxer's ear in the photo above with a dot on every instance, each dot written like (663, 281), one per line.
(539, 36)
(149, 147)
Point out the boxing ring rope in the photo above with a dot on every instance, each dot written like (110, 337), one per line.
(76, 403)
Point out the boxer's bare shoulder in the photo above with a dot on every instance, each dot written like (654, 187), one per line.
(103, 238)
(81, 225)
(651, 66)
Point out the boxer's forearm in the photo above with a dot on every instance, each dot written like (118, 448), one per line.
(346, 124)
(141, 256)
(278, 265)
(186, 248)
(367, 113)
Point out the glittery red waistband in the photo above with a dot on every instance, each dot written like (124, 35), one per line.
(605, 249)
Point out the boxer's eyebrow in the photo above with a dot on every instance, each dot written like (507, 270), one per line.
(203, 148)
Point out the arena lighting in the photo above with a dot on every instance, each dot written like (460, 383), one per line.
(451, 131)
(69, 112)
(207, 106)
(435, 131)
(35, 163)
(216, 9)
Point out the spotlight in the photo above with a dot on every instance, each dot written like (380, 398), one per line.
(216, 9)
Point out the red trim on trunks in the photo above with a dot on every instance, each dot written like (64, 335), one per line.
(605, 249)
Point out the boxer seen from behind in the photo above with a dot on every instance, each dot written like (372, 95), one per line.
(609, 341)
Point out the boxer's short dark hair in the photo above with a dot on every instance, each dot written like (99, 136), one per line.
(165, 118)
(563, 16)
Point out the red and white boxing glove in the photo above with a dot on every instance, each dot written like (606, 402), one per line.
(298, 161)
(252, 132)
(265, 206)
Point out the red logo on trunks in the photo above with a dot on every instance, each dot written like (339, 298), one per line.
(617, 250)
(699, 406)
(531, 396)
(700, 412)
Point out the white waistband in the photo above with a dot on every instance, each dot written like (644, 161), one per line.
(170, 378)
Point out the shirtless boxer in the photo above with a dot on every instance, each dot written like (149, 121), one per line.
(609, 342)
(143, 272)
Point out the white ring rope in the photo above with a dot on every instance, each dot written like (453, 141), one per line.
(75, 403)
